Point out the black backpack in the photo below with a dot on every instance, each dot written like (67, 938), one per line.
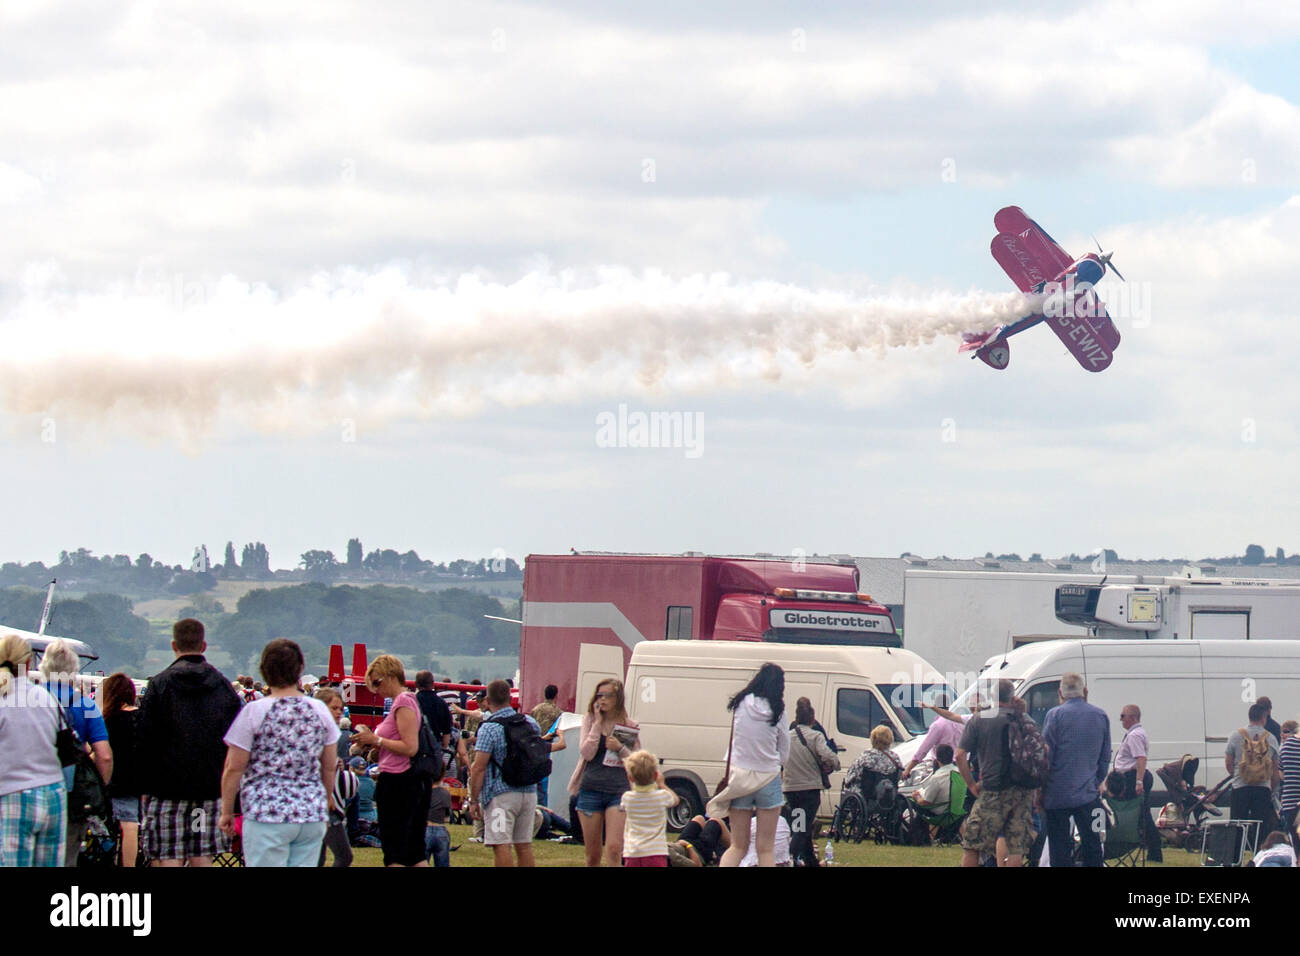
(528, 756)
(89, 796)
(427, 762)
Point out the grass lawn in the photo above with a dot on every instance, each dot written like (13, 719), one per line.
(846, 854)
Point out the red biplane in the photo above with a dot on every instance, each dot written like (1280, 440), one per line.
(1061, 289)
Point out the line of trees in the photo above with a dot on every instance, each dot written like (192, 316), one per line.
(1254, 555)
(145, 576)
(400, 620)
(388, 564)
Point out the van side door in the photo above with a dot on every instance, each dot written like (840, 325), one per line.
(1163, 679)
(856, 708)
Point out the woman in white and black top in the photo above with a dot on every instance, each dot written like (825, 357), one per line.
(801, 780)
(760, 745)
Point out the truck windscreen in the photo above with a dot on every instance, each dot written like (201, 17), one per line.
(799, 635)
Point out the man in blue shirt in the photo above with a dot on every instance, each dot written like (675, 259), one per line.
(507, 812)
(1078, 742)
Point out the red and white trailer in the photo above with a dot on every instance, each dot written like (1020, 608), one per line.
(597, 605)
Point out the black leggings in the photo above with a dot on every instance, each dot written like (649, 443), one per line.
(336, 840)
(705, 839)
(803, 824)
(402, 800)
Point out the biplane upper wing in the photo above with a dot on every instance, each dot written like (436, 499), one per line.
(1034, 240)
(1018, 263)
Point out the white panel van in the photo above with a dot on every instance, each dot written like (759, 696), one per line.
(678, 692)
(1193, 694)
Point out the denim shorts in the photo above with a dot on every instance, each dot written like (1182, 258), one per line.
(768, 798)
(126, 809)
(595, 801)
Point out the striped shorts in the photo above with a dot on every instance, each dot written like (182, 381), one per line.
(181, 829)
(33, 829)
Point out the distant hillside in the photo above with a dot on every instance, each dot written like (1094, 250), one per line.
(402, 620)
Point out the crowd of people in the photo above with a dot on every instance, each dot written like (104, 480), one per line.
(1058, 813)
(199, 765)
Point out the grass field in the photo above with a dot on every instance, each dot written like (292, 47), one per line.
(846, 854)
(227, 593)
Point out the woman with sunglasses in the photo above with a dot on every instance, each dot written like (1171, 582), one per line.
(600, 780)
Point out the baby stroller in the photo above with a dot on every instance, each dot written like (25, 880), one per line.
(870, 808)
(1183, 819)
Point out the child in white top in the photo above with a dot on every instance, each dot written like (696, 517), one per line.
(645, 837)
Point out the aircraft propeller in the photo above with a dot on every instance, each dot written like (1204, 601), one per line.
(1104, 258)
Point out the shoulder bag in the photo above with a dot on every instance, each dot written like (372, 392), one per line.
(826, 778)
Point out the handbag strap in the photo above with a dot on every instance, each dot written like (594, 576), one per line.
(826, 778)
(64, 722)
(726, 774)
(798, 732)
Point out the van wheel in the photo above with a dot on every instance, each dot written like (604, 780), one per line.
(688, 804)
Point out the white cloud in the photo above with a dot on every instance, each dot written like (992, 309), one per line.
(270, 141)
(1246, 138)
(17, 186)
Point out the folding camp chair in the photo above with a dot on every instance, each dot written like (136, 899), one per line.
(946, 824)
(1125, 844)
(1225, 842)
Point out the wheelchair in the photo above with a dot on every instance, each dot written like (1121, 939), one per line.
(870, 808)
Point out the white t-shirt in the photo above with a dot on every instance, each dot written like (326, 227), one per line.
(782, 847)
(1279, 852)
(758, 743)
(644, 830)
(937, 788)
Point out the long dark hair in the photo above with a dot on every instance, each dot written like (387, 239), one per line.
(118, 691)
(769, 684)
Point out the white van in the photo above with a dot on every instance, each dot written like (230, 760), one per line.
(1193, 694)
(678, 692)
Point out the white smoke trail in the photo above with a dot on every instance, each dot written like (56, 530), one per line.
(404, 348)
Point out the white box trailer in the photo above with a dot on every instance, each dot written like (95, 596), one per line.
(1237, 609)
(957, 620)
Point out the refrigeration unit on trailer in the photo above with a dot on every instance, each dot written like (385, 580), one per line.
(1178, 608)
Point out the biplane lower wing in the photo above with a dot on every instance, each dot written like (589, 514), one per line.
(1087, 331)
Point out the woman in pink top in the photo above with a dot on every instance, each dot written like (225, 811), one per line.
(401, 796)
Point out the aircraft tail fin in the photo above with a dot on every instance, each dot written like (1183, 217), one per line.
(996, 354)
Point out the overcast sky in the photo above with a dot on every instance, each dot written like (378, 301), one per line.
(302, 272)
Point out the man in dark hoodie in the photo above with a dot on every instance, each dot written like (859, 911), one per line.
(184, 714)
